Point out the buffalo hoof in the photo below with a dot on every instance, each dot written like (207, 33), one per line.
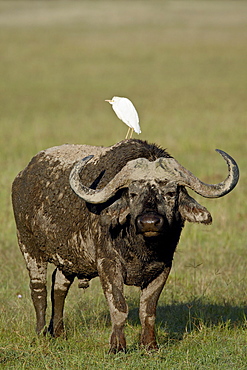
(150, 347)
(114, 350)
(117, 341)
(56, 332)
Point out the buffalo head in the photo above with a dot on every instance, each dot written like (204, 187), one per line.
(154, 193)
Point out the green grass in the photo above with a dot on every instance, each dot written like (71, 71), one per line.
(183, 64)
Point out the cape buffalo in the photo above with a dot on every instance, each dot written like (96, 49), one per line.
(114, 212)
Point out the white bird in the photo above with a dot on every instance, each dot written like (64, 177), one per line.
(126, 111)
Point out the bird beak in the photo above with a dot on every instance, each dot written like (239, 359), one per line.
(109, 101)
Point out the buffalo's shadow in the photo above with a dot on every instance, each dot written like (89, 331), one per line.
(177, 318)
(174, 319)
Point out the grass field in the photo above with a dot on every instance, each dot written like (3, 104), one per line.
(183, 64)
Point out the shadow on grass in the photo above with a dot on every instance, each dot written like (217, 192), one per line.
(175, 319)
(180, 318)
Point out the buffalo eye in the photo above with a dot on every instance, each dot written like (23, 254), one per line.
(170, 194)
(133, 195)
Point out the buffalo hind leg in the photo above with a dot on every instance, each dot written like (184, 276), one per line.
(148, 303)
(59, 290)
(113, 286)
(37, 269)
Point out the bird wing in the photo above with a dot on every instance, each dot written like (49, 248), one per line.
(126, 111)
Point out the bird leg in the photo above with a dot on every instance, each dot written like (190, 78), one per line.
(126, 137)
(131, 133)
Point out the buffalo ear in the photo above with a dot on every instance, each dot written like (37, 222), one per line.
(123, 215)
(192, 211)
(116, 214)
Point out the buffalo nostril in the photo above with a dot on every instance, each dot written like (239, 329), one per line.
(159, 221)
(150, 222)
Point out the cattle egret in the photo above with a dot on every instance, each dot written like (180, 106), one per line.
(126, 111)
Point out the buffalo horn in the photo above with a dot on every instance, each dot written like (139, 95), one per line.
(162, 169)
(186, 178)
(98, 195)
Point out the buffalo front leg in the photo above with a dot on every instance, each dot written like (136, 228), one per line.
(59, 291)
(148, 303)
(112, 282)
